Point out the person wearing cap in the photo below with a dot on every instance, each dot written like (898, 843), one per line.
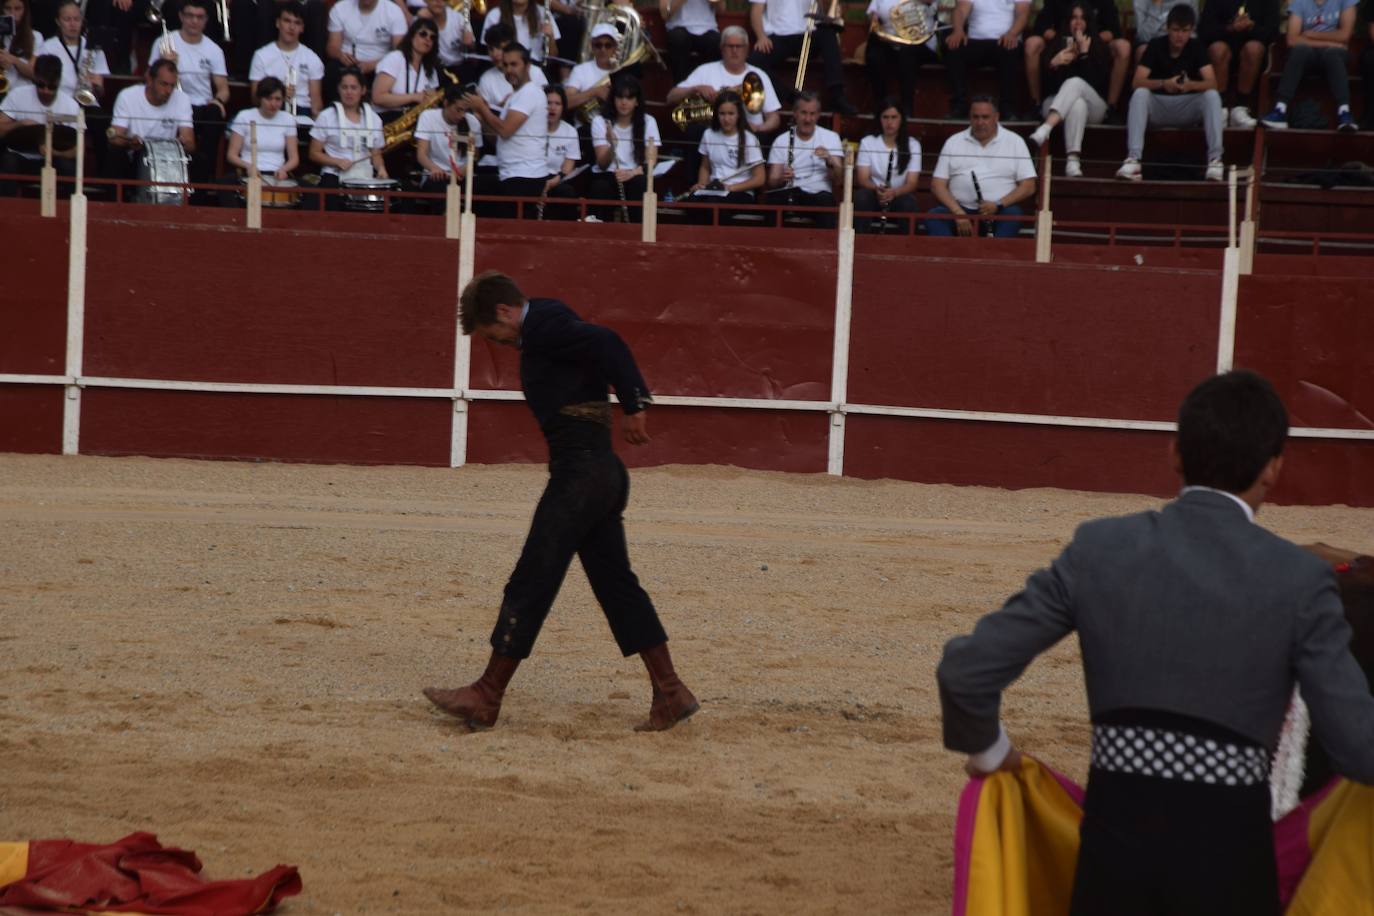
(591, 78)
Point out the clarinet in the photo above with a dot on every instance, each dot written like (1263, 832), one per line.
(544, 196)
(791, 156)
(887, 186)
(615, 164)
(985, 227)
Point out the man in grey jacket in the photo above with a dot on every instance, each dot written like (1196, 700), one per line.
(1195, 624)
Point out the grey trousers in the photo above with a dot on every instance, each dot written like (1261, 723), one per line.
(1079, 105)
(1162, 110)
(1304, 58)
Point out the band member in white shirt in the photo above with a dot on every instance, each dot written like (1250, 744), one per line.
(564, 150)
(361, 33)
(692, 29)
(731, 167)
(805, 164)
(621, 141)
(493, 86)
(17, 50)
(522, 134)
(886, 171)
(779, 27)
(278, 152)
(439, 135)
(535, 28)
(591, 79)
(728, 72)
(157, 110)
(347, 138)
(71, 47)
(882, 55)
(32, 105)
(204, 79)
(456, 41)
(985, 170)
(299, 68)
(405, 76)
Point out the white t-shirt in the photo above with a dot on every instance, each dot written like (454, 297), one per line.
(11, 73)
(22, 104)
(436, 131)
(367, 36)
(784, 17)
(298, 66)
(875, 154)
(717, 77)
(723, 153)
(990, 19)
(66, 53)
(141, 118)
(407, 79)
(451, 37)
(495, 88)
(624, 142)
(883, 10)
(1000, 165)
(584, 76)
(563, 144)
(522, 155)
(811, 171)
(696, 16)
(273, 136)
(350, 141)
(196, 63)
(522, 30)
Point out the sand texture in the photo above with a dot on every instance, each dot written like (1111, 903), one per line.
(230, 655)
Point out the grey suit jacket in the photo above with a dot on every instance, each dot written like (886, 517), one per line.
(1192, 610)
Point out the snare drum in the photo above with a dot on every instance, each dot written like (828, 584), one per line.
(365, 193)
(277, 193)
(162, 162)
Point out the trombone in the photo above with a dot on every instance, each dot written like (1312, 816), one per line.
(832, 18)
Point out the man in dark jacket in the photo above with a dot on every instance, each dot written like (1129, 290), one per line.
(566, 365)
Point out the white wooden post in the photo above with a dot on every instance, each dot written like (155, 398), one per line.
(648, 214)
(844, 301)
(47, 182)
(1044, 220)
(76, 299)
(462, 346)
(254, 179)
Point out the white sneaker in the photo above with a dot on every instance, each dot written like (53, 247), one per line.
(1216, 171)
(1130, 170)
(1241, 117)
(1073, 168)
(1040, 135)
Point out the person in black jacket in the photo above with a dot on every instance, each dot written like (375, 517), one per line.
(1239, 32)
(566, 365)
(1047, 33)
(1076, 77)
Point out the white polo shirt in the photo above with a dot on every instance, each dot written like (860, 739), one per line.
(522, 154)
(367, 36)
(811, 171)
(990, 19)
(696, 16)
(717, 77)
(196, 64)
(1000, 166)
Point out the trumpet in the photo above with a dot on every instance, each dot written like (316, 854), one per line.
(696, 110)
(168, 48)
(83, 95)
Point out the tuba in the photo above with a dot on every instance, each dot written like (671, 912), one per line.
(465, 8)
(634, 46)
(912, 24)
(695, 109)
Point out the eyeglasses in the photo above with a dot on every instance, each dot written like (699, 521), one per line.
(44, 87)
(735, 46)
(602, 45)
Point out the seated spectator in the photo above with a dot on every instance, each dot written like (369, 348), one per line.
(731, 168)
(985, 170)
(985, 32)
(1077, 71)
(456, 41)
(522, 131)
(536, 29)
(257, 25)
(620, 141)
(204, 80)
(33, 104)
(708, 79)
(886, 169)
(1049, 25)
(494, 86)
(1318, 35)
(779, 28)
(297, 66)
(806, 163)
(882, 55)
(692, 30)
(17, 50)
(278, 150)
(1151, 20)
(404, 77)
(70, 46)
(157, 110)
(441, 142)
(1232, 36)
(347, 139)
(1174, 86)
(361, 33)
(565, 148)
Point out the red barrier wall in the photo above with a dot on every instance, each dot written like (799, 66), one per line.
(31, 418)
(33, 295)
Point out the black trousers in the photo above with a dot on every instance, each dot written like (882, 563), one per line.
(11, 163)
(823, 41)
(984, 53)
(866, 201)
(883, 57)
(209, 126)
(602, 187)
(489, 185)
(682, 44)
(579, 514)
(800, 198)
(1367, 77)
(1161, 847)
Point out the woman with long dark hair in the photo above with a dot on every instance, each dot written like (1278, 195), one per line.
(563, 150)
(409, 73)
(17, 50)
(1076, 70)
(621, 135)
(347, 138)
(731, 161)
(886, 170)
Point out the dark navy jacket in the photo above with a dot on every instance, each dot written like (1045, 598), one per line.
(565, 360)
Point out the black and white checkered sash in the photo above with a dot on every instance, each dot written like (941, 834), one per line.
(1168, 754)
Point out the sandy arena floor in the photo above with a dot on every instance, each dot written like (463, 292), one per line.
(230, 655)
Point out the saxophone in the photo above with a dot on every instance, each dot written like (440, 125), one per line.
(83, 95)
(402, 130)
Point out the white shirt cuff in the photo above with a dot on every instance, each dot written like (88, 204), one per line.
(989, 760)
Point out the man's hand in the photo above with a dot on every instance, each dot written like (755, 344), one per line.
(956, 39)
(764, 45)
(1010, 40)
(438, 174)
(1011, 763)
(987, 208)
(963, 224)
(886, 195)
(636, 429)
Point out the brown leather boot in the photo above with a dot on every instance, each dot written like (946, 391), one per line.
(479, 703)
(672, 701)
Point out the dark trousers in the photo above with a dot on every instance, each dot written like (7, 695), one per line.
(799, 198)
(704, 217)
(1161, 847)
(682, 44)
(1002, 229)
(1367, 77)
(603, 187)
(883, 57)
(866, 201)
(112, 30)
(11, 163)
(823, 41)
(579, 514)
(1304, 58)
(490, 185)
(209, 127)
(984, 53)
